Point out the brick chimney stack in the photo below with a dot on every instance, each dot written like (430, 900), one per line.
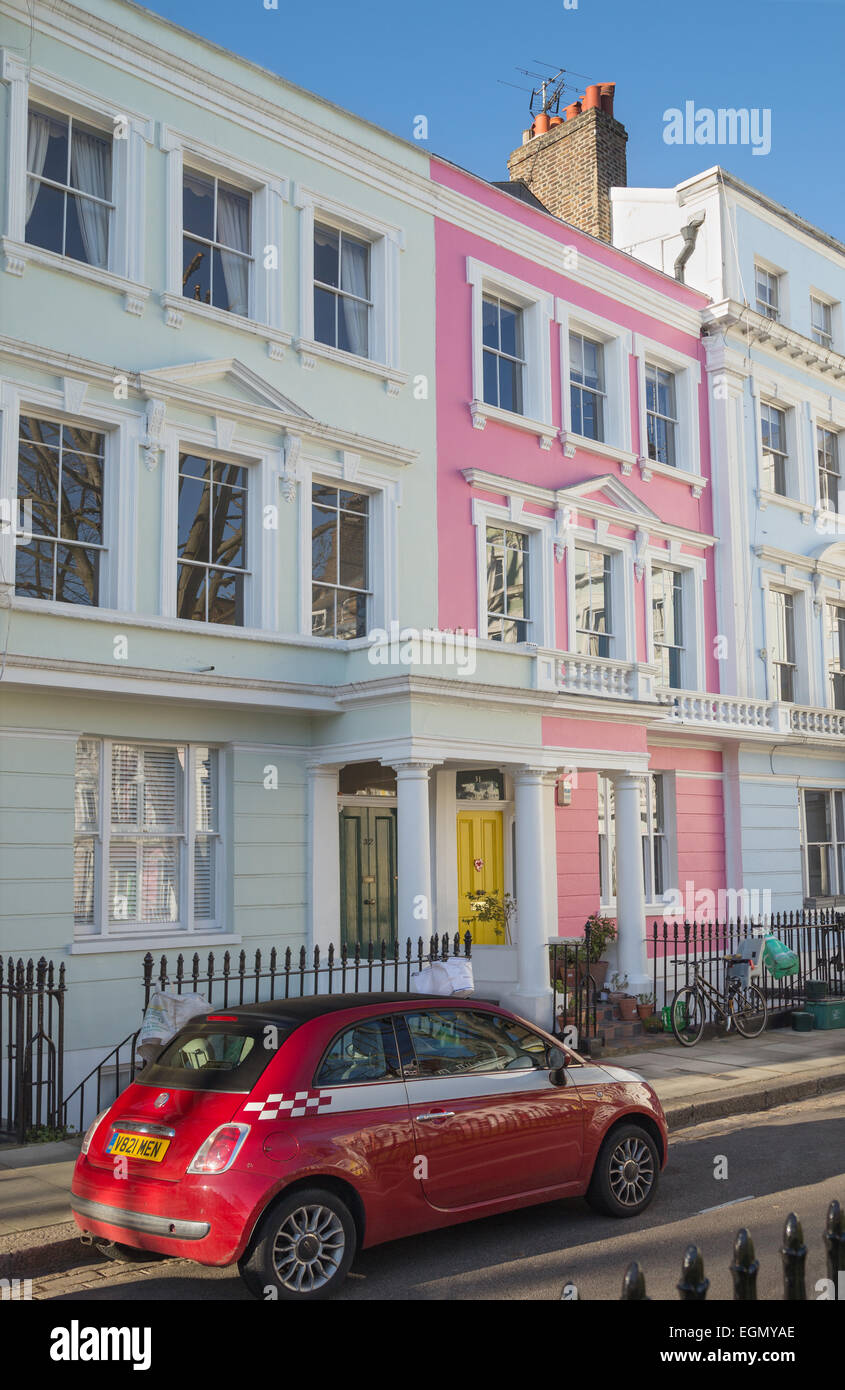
(571, 165)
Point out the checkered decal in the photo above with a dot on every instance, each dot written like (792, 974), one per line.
(291, 1106)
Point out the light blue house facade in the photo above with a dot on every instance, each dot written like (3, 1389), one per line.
(775, 341)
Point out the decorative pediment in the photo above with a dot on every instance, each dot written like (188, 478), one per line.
(225, 378)
(606, 492)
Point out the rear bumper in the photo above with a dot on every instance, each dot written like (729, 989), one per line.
(86, 1210)
(208, 1219)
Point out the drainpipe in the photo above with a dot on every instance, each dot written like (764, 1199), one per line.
(689, 234)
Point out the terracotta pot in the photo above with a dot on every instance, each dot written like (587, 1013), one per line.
(645, 1011)
(627, 1008)
(541, 123)
(614, 996)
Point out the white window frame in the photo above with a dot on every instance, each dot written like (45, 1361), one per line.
(833, 664)
(693, 572)
(261, 583)
(830, 335)
(830, 428)
(122, 430)
(654, 905)
(767, 404)
(268, 193)
(125, 271)
(623, 644)
(776, 275)
(837, 876)
(537, 314)
(382, 541)
(386, 243)
(687, 374)
(187, 928)
(805, 680)
(617, 346)
(541, 605)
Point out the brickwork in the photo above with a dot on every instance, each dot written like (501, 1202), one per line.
(572, 168)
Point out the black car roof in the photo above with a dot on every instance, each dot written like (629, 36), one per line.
(315, 1005)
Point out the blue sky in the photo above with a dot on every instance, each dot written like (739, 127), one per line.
(443, 59)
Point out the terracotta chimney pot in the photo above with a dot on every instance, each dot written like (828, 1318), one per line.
(592, 99)
(541, 123)
(573, 110)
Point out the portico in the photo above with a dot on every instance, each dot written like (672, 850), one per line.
(472, 835)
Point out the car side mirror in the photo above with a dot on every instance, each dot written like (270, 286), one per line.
(557, 1066)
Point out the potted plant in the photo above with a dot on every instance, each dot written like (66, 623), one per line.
(487, 907)
(627, 1008)
(618, 986)
(602, 932)
(645, 1006)
(654, 1024)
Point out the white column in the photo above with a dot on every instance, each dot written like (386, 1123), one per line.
(533, 995)
(630, 891)
(323, 857)
(413, 834)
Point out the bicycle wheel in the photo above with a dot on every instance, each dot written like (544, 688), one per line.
(749, 1012)
(687, 1015)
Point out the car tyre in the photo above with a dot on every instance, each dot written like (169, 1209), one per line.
(626, 1172)
(303, 1247)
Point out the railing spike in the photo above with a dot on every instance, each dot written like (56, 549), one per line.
(834, 1239)
(744, 1268)
(692, 1285)
(794, 1256)
(633, 1285)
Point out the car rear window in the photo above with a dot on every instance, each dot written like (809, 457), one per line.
(214, 1056)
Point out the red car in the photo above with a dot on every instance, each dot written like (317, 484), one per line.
(287, 1135)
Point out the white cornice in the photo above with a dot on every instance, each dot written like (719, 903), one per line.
(164, 383)
(729, 314)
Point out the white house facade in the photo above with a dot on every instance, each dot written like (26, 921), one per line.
(775, 344)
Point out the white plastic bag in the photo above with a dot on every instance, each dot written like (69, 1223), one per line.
(165, 1015)
(452, 976)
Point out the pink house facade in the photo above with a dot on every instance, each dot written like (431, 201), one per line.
(575, 538)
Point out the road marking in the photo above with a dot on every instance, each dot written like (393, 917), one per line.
(722, 1205)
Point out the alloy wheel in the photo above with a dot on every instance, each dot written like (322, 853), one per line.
(631, 1172)
(308, 1248)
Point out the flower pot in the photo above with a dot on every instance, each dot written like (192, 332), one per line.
(645, 1011)
(627, 1008)
(614, 996)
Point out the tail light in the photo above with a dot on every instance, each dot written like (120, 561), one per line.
(92, 1129)
(219, 1150)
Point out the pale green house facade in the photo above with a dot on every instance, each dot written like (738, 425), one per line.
(180, 692)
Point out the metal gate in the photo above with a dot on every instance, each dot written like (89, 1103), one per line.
(31, 1046)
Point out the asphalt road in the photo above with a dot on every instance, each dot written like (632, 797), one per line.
(789, 1159)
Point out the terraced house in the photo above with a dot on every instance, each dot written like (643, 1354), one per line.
(216, 299)
(776, 371)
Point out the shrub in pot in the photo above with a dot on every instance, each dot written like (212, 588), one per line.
(627, 1007)
(645, 1006)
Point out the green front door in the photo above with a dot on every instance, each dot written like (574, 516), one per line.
(368, 875)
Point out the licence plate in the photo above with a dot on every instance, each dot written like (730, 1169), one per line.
(137, 1146)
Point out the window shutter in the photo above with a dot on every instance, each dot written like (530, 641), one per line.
(162, 777)
(123, 881)
(125, 785)
(205, 858)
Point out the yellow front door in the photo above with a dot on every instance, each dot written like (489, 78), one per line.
(481, 869)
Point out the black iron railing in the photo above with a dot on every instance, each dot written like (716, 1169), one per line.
(575, 984)
(232, 979)
(817, 937)
(692, 1285)
(32, 1000)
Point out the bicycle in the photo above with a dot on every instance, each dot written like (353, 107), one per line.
(741, 1004)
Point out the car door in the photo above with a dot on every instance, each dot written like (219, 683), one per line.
(487, 1117)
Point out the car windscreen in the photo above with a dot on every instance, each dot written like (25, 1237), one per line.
(216, 1056)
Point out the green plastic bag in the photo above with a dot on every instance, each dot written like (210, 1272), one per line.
(778, 959)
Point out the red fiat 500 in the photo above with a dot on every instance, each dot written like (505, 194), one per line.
(285, 1136)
